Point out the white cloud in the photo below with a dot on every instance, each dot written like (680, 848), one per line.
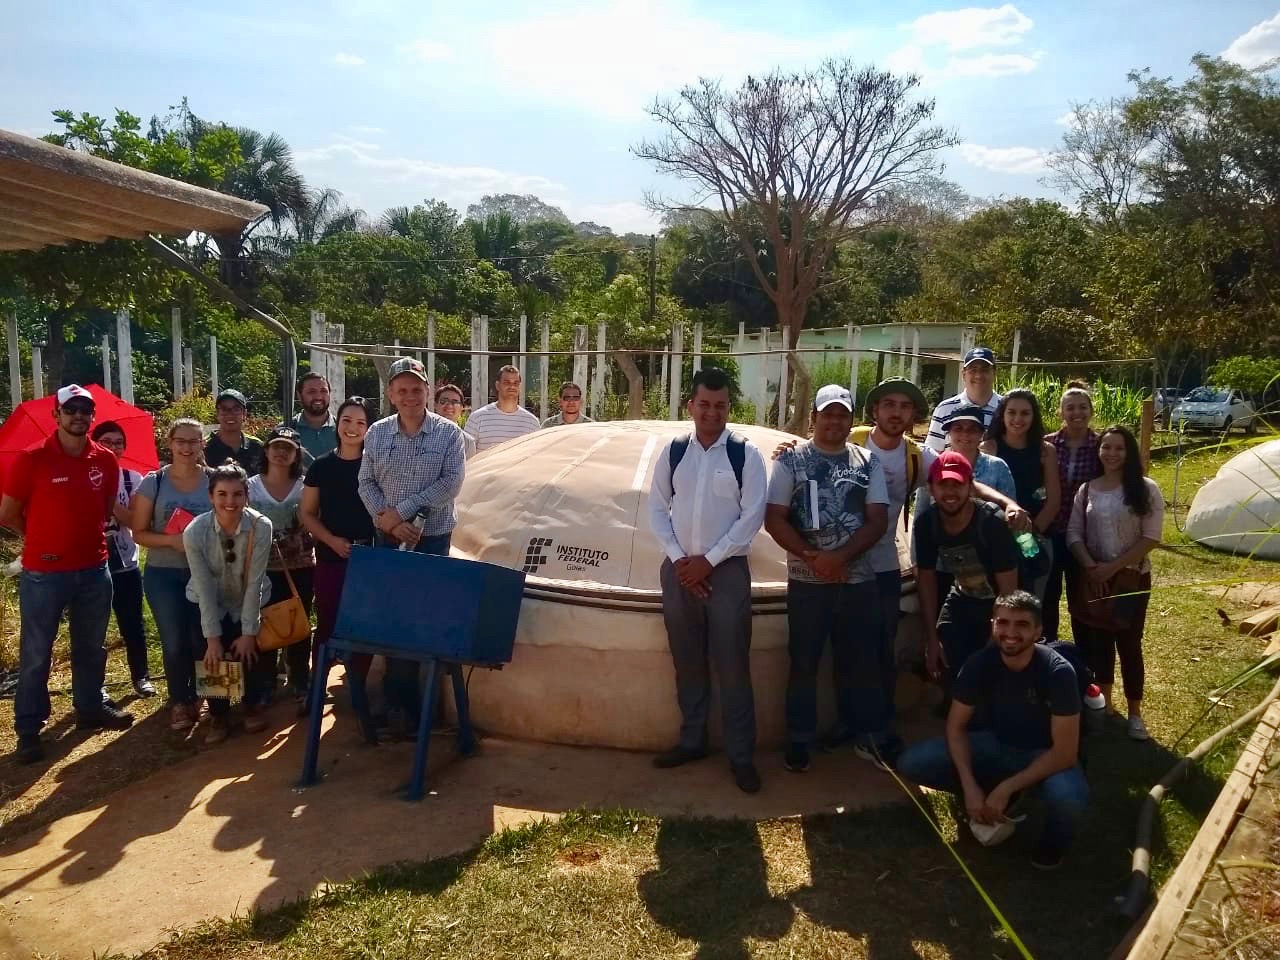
(972, 27)
(1004, 159)
(1257, 45)
(348, 60)
(366, 131)
(1067, 119)
(992, 65)
(429, 51)
(458, 185)
(612, 58)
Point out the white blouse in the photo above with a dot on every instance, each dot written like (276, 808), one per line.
(1108, 528)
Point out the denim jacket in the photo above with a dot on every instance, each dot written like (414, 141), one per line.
(218, 586)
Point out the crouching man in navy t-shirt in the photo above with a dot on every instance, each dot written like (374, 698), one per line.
(1028, 702)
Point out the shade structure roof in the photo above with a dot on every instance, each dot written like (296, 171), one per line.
(50, 195)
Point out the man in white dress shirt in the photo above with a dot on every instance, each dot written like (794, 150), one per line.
(706, 505)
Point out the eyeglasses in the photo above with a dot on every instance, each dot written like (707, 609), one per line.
(182, 442)
(229, 550)
(571, 396)
(449, 402)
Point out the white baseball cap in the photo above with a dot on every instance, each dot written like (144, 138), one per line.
(833, 393)
(73, 391)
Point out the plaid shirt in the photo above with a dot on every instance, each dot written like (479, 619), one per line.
(1075, 468)
(416, 475)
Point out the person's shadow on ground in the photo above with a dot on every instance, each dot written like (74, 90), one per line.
(710, 886)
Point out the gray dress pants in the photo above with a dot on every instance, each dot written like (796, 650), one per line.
(713, 634)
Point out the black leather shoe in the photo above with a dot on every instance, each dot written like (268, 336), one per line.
(30, 749)
(746, 777)
(677, 757)
(108, 718)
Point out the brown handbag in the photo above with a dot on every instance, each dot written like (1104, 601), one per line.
(1112, 605)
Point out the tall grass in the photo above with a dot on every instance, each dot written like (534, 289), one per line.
(1112, 403)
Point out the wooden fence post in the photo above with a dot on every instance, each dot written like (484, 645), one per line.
(523, 366)
(15, 362)
(852, 341)
(336, 364)
(188, 368)
(762, 406)
(677, 372)
(544, 369)
(697, 346)
(37, 370)
(175, 317)
(915, 355)
(124, 351)
(431, 355)
(106, 362)
(580, 358)
(477, 400)
(602, 367)
(213, 366)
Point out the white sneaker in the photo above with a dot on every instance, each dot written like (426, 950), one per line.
(1138, 729)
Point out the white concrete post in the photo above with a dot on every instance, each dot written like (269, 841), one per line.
(697, 346)
(106, 362)
(762, 396)
(1017, 351)
(523, 365)
(580, 346)
(544, 370)
(852, 341)
(213, 366)
(15, 362)
(477, 400)
(677, 372)
(663, 363)
(188, 368)
(915, 355)
(602, 371)
(484, 358)
(431, 354)
(319, 334)
(37, 370)
(782, 383)
(124, 349)
(175, 317)
(742, 336)
(337, 365)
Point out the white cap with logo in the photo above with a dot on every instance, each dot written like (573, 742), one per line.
(833, 393)
(73, 391)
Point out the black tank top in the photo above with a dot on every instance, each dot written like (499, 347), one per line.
(1028, 474)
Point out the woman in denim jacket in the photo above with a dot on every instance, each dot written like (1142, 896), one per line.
(227, 549)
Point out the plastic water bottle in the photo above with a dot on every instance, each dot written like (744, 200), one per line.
(418, 523)
(1028, 544)
(1095, 708)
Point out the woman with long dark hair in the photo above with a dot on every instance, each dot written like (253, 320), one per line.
(334, 514)
(1117, 520)
(1016, 436)
(1076, 446)
(277, 494)
(227, 549)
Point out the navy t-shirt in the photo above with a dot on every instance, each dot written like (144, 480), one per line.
(973, 556)
(342, 511)
(1017, 705)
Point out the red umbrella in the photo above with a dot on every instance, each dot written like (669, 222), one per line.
(33, 423)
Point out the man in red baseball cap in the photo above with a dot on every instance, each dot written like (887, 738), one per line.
(974, 541)
(60, 495)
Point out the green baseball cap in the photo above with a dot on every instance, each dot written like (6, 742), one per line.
(898, 385)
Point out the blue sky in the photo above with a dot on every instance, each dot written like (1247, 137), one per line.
(392, 101)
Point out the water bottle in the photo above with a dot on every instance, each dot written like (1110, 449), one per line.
(1095, 709)
(418, 523)
(1028, 544)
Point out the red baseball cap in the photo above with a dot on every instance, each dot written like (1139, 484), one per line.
(951, 465)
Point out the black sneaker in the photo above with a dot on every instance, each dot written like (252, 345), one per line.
(882, 756)
(746, 777)
(108, 718)
(677, 756)
(30, 749)
(796, 758)
(1046, 858)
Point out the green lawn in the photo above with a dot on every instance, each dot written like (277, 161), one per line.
(875, 884)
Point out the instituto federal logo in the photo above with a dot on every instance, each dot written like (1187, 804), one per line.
(574, 558)
(533, 558)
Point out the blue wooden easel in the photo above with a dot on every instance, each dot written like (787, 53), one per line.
(442, 612)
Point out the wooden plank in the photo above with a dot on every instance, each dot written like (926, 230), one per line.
(1259, 622)
(1177, 894)
(1273, 646)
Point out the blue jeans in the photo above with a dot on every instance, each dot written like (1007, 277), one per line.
(400, 684)
(848, 614)
(42, 597)
(1065, 794)
(889, 583)
(178, 623)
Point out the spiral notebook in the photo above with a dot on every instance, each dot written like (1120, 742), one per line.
(225, 682)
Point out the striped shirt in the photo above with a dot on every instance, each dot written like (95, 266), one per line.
(490, 425)
(414, 475)
(937, 439)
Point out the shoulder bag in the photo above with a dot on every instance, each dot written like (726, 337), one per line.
(286, 622)
(1111, 605)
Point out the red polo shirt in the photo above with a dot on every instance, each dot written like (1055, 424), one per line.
(66, 502)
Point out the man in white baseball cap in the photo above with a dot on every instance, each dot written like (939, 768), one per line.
(60, 494)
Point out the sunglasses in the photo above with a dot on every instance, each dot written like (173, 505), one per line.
(74, 409)
(229, 550)
(449, 402)
(571, 396)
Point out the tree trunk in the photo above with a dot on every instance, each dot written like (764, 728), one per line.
(635, 384)
(55, 353)
(801, 394)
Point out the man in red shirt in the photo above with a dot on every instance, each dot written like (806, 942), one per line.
(60, 494)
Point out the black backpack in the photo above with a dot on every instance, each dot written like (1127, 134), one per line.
(735, 446)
